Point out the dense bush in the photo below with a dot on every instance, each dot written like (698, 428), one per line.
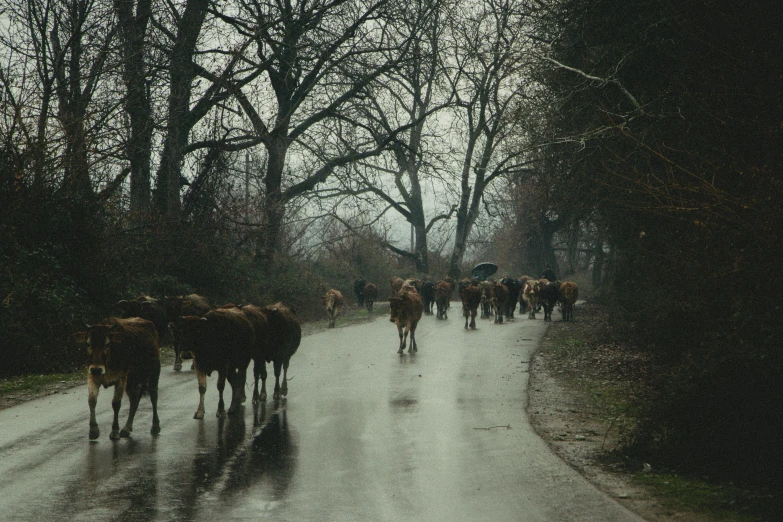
(673, 115)
(40, 308)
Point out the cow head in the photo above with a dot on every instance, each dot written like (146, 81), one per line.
(396, 305)
(173, 305)
(190, 330)
(328, 301)
(99, 339)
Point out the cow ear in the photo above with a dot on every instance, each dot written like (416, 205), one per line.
(79, 337)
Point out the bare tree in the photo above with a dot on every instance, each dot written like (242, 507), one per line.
(490, 55)
(133, 18)
(57, 54)
(315, 58)
(408, 96)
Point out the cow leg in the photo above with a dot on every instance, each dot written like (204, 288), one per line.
(134, 396)
(277, 365)
(153, 391)
(116, 402)
(259, 370)
(177, 359)
(221, 385)
(402, 342)
(284, 386)
(237, 389)
(202, 389)
(473, 319)
(242, 381)
(92, 400)
(466, 314)
(413, 346)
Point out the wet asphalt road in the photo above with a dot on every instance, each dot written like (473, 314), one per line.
(364, 435)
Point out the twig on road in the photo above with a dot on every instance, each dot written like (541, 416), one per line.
(493, 427)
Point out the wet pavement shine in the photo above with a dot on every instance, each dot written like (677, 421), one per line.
(364, 435)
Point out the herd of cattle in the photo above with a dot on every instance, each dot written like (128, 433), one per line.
(408, 299)
(124, 351)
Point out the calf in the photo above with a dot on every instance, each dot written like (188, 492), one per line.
(486, 299)
(405, 312)
(370, 295)
(358, 289)
(281, 334)
(223, 341)
(428, 296)
(333, 302)
(530, 294)
(567, 295)
(500, 298)
(547, 296)
(176, 306)
(470, 294)
(442, 296)
(123, 353)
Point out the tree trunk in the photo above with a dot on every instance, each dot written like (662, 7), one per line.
(181, 72)
(133, 31)
(274, 206)
(461, 233)
(598, 263)
(71, 105)
(572, 251)
(421, 257)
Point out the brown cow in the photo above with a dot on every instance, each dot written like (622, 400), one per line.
(522, 281)
(405, 312)
(148, 308)
(568, 294)
(530, 294)
(261, 346)
(176, 306)
(500, 297)
(452, 285)
(280, 335)
(333, 302)
(123, 353)
(396, 284)
(470, 294)
(370, 295)
(223, 341)
(486, 299)
(442, 296)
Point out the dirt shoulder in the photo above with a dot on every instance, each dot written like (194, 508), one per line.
(579, 387)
